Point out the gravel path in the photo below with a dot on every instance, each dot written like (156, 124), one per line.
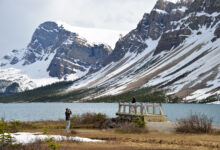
(167, 127)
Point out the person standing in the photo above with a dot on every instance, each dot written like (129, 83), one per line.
(133, 100)
(67, 114)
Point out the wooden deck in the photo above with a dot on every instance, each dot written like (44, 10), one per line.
(148, 112)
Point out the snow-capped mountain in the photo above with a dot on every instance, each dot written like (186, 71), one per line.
(176, 47)
(56, 52)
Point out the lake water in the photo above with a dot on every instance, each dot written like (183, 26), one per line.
(55, 111)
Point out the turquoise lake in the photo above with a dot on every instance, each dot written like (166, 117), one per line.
(55, 111)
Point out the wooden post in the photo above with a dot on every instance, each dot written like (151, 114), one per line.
(161, 113)
(147, 109)
(154, 109)
(129, 108)
(135, 109)
(142, 109)
(124, 111)
(119, 107)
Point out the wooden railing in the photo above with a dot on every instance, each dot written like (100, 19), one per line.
(140, 109)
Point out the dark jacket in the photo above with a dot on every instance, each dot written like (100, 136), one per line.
(68, 115)
(133, 100)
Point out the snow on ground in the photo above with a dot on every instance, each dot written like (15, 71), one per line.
(26, 137)
(94, 35)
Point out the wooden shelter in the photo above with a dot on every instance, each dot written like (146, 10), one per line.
(148, 112)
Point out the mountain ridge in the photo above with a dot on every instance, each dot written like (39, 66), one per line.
(172, 49)
(178, 35)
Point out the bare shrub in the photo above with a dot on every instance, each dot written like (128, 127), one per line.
(130, 127)
(195, 123)
(90, 120)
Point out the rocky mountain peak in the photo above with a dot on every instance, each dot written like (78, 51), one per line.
(164, 5)
(198, 13)
(168, 6)
(171, 36)
(69, 53)
(208, 6)
(44, 36)
(152, 26)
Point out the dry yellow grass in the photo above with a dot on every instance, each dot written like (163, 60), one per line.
(151, 140)
(118, 141)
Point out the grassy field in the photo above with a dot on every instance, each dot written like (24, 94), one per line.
(115, 140)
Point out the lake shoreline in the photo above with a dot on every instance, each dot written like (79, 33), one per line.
(55, 111)
(162, 138)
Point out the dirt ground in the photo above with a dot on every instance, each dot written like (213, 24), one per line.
(167, 127)
(161, 136)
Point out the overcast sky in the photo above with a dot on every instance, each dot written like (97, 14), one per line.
(19, 18)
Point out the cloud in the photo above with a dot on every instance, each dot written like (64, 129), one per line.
(20, 18)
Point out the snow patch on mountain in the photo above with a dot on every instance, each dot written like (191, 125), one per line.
(176, 1)
(160, 11)
(105, 76)
(173, 1)
(14, 75)
(201, 66)
(94, 35)
(29, 76)
(182, 9)
(215, 14)
(204, 93)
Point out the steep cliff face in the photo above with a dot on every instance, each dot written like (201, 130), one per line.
(152, 26)
(77, 57)
(175, 47)
(200, 13)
